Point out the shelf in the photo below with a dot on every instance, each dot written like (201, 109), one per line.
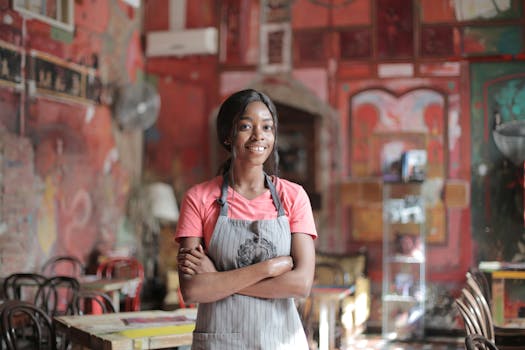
(405, 259)
(401, 298)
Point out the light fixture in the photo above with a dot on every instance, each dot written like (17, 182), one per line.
(162, 200)
(510, 140)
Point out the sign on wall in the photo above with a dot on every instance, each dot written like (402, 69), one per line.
(57, 13)
(10, 65)
(56, 77)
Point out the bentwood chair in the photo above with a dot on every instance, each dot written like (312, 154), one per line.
(63, 265)
(478, 342)
(124, 267)
(57, 295)
(22, 286)
(477, 316)
(26, 326)
(92, 302)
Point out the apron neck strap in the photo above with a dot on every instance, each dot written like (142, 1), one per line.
(223, 202)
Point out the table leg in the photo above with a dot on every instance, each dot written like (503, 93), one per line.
(327, 314)
(115, 299)
(323, 325)
(331, 323)
(498, 301)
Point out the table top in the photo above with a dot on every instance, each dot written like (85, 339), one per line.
(109, 284)
(155, 329)
(332, 291)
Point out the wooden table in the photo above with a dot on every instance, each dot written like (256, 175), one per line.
(129, 330)
(328, 298)
(111, 286)
(500, 273)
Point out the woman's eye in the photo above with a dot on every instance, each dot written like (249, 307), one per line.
(244, 126)
(268, 127)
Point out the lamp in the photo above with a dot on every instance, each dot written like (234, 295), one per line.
(162, 208)
(162, 200)
(510, 140)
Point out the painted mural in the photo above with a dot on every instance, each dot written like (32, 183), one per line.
(63, 179)
(383, 126)
(497, 182)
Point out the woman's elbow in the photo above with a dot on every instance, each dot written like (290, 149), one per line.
(304, 287)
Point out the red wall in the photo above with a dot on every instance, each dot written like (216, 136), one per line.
(64, 185)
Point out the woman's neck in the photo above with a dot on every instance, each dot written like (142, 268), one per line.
(248, 182)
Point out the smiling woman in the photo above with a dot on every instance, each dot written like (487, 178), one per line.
(246, 238)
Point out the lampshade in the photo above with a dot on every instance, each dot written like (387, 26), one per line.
(510, 139)
(163, 203)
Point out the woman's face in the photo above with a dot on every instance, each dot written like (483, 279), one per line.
(255, 135)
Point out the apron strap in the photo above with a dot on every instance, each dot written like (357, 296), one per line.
(223, 202)
(275, 196)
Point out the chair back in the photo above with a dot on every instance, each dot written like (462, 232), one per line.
(481, 280)
(22, 286)
(57, 295)
(329, 273)
(26, 326)
(473, 288)
(89, 302)
(124, 267)
(478, 342)
(63, 265)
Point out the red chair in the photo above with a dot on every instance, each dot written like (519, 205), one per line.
(124, 267)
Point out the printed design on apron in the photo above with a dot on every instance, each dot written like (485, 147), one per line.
(255, 249)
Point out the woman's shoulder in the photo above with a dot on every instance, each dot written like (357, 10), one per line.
(205, 189)
(287, 186)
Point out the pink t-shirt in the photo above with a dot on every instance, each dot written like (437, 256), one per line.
(199, 209)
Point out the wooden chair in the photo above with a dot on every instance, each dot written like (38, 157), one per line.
(56, 296)
(26, 326)
(478, 319)
(92, 302)
(63, 265)
(124, 267)
(22, 286)
(340, 270)
(478, 342)
(470, 320)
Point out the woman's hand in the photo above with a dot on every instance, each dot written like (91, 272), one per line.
(194, 261)
(279, 265)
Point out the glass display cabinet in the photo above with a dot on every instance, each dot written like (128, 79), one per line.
(404, 262)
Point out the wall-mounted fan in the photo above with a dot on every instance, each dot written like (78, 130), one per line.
(137, 106)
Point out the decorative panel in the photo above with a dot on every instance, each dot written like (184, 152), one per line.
(395, 29)
(492, 40)
(354, 13)
(239, 32)
(355, 44)
(434, 11)
(383, 126)
(309, 47)
(469, 10)
(302, 15)
(497, 91)
(439, 41)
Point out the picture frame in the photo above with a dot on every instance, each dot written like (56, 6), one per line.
(57, 13)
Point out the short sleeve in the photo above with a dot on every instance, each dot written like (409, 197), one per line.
(301, 216)
(190, 222)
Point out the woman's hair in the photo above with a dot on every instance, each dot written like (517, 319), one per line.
(229, 112)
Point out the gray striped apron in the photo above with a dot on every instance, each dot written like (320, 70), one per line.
(239, 321)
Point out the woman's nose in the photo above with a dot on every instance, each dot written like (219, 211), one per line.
(257, 133)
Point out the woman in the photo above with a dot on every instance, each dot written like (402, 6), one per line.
(258, 231)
